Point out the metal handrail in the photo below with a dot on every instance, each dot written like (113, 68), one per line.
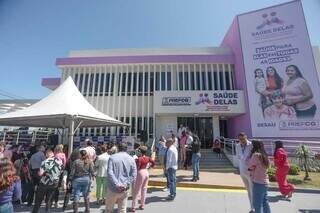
(289, 144)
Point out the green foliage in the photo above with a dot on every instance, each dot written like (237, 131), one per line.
(305, 155)
(294, 169)
(272, 174)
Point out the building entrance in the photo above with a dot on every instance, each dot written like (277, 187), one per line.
(201, 126)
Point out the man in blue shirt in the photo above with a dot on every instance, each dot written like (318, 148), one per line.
(122, 171)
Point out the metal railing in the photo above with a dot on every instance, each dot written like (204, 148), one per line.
(25, 136)
(229, 145)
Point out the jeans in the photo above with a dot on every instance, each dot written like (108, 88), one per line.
(196, 164)
(259, 195)
(6, 207)
(172, 181)
(81, 185)
(46, 191)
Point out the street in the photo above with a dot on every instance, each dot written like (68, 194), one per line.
(208, 201)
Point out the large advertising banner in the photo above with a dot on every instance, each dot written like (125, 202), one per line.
(282, 82)
(202, 102)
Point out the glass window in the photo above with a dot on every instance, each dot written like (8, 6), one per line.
(232, 77)
(168, 81)
(215, 76)
(91, 84)
(222, 86)
(180, 67)
(96, 84)
(80, 82)
(112, 83)
(151, 82)
(186, 80)
(163, 81)
(203, 77)
(76, 79)
(123, 86)
(140, 83)
(133, 124)
(102, 82)
(157, 81)
(146, 81)
(134, 90)
(198, 80)
(86, 84)
(139, 124)
(107, 84)
(129, 83)
(192, 78)
(209, 76)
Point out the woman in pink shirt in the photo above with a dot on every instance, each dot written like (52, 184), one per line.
(282, 169)
(182, 145)
(258, 166)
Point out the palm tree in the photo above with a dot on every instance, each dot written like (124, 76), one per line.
(304, 154)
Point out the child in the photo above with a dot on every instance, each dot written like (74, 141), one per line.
(216, 147)
(279, 110)
(261, 88)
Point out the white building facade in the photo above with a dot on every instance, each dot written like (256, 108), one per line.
(132, 86)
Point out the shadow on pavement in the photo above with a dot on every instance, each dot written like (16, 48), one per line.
(277, 198)
(309, 210)
(154, 199)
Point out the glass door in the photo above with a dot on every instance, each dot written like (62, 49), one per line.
(201, 126)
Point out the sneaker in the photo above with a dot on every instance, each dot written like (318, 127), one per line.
(131, 210)
(141, 207)
(170, 197)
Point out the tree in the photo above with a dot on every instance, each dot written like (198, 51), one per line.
(304, 154)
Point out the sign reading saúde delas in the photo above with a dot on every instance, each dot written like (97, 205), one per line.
(224, 102)
(282, 83)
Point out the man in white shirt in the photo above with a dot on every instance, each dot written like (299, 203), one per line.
(171, 162)
(243, 152)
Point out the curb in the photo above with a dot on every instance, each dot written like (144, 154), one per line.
(210, 186)
(298, 190)
(193, 185)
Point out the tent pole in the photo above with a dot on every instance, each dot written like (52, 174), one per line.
(71, 129)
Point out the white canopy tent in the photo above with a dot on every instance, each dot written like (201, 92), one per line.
(65, 107)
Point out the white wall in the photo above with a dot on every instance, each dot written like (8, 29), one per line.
(162, 123)
(316, 55)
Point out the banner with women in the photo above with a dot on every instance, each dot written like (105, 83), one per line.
(282, 82)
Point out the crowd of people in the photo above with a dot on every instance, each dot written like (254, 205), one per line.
(29, 178)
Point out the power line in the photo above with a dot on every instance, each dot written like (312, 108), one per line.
(10, 95)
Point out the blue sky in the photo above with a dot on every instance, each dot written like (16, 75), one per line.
(33, 33)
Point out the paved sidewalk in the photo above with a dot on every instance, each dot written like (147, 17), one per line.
(226, 180)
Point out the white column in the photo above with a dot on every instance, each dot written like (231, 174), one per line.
(215, 126)
(131, 91)
(212, 77)
(148, 105)
(137, 100)
(143, 82)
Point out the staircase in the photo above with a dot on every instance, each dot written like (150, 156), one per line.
(211, 162)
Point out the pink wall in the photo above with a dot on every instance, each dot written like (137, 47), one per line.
(232, 40)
